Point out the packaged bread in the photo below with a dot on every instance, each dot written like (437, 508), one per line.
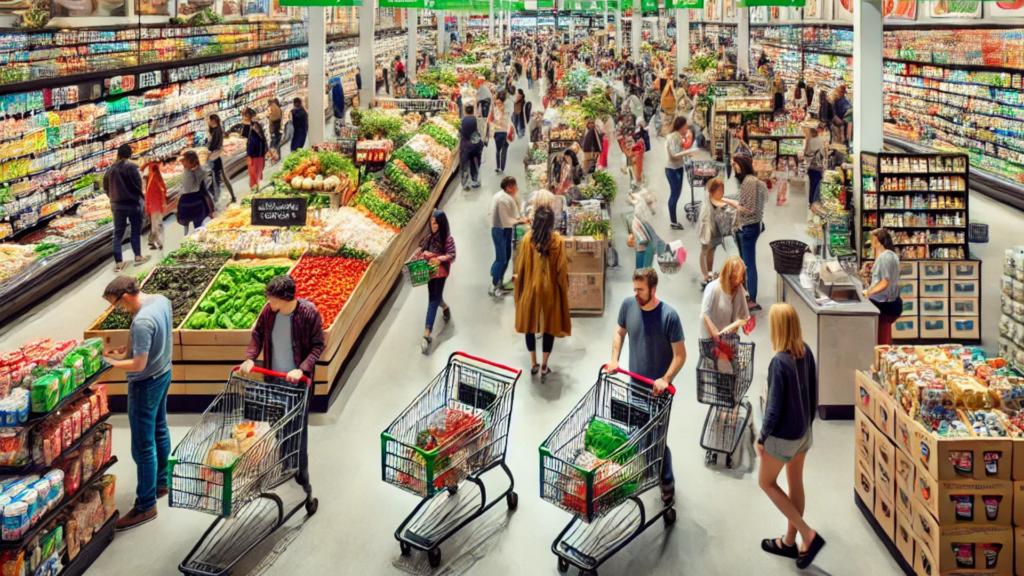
(247, 433)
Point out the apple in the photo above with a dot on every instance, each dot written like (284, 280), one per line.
(1017, 5)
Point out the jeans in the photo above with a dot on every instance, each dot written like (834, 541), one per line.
(640, 258)
(471, 165)
(298, 140)
(500, 149)
(435, 298)
(746, 238)
(151, 440)
(667, 478)
(302, 476)
(502, 238)
(814, 181)
(123, 216)
(675, 186)
(217, 165)
(546, 345)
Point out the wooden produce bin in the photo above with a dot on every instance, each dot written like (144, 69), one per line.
(586, 275)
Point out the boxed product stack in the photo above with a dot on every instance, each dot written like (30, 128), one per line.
(936, 432)
(1011, 323)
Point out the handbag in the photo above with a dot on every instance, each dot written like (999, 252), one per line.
(511, 134)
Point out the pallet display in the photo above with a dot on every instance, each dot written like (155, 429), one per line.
(936, 473)
(729, 112)
(951, 88)
(1011, 298)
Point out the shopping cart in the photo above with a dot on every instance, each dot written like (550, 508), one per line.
(456, 430)
(205, 476)
(698, 173)
(724, 372)
(606, 499)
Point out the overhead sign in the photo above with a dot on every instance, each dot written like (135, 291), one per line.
(279, 211)
(790, 3)
(327, 3)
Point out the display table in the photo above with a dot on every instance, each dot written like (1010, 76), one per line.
(586, 275)
(841, 336)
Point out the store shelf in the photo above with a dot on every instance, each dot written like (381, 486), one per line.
(91, 551)
(37, 418)
(38, 527)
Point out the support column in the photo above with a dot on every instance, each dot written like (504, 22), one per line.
(683, 38)
(618, 30)
(743, 41)
(490, 19)
(442, 35)
(604, 26)
(317, 74)
(572, 27)
(867, 87)
(413, 25)
(637, 27)
(367, 15)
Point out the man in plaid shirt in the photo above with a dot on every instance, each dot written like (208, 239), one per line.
(290, 336)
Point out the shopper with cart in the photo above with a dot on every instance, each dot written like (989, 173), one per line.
(289, 336)
(439, 249)
(146, 361)
(785, 437)
(674, 167)
(714, 223)
(748, 223)
(724, 308)
(541, 278)
(656, 348)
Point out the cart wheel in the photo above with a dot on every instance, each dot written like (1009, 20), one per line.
(406, 549)
(588, 572)
(563, 565)
(670, 516)
(707, 458)
(452, 490)
(512, 499)
(434, 556)
(311, 506)
(728, 461)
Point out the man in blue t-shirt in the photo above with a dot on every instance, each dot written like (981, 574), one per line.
(656, 348)
(147, 362)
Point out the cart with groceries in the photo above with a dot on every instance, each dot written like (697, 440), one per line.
(698, 174)
(452, 434)
(245, 445)
(724, 372)
(601, 463)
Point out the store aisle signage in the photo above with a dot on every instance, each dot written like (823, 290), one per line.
(685, 4)
(328, 3)
(282, 212)
(791, 3)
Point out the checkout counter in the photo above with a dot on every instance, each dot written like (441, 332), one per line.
(840, 325)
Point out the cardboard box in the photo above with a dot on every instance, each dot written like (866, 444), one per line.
(965, 328)
(934, 306)
(1018, 459)
(885, 515)
(911, 307)
(954, 502)
(999, 537)
(934, 270)
(966, 270)
(906, 328)
(926, 529)
(1018, 504)
(904, 537)
(864, 393)
(885, 469)
(1018, 546)
(965, 288)
(964, 307)
(908, 288)
(586, 291)
(867, 434)
(585, 255)
(934, 288)
(936, 456)
(864, 484)
(906, 477)
(904, 424)
(934, 327)
(885, 414)
(908, 270)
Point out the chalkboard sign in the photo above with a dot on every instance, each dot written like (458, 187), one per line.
(279, 211)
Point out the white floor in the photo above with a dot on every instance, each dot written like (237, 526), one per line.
(722, 515)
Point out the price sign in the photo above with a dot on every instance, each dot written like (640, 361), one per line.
(279, 212)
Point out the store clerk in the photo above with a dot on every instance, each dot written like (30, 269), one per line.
(884, 291)
(289, 334)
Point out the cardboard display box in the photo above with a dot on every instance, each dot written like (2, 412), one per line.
(904, 424)
(885, 515)
(904, 537)
(864, 483)
(885, 414)
(1018, 546)
(864, 394)
(978, 502)
(1018, 459)
(1018, 505)
(926, 529)
(585, 255)
(867, 435)
(988, 549)
(906, 476)
(885, 469)
(959, 458)
(586, 292)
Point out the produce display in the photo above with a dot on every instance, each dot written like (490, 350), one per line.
(236, 297)
(603, 186)
(328, 282)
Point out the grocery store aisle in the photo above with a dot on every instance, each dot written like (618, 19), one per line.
(722, 514)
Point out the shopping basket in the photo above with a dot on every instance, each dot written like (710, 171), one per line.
(454, 431)
(788, 256)
(203, 475)
(420, 272)
(611, 488)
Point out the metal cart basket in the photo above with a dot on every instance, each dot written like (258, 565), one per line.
(201, 477)
(456, 430)
(605, 499)
(698, 173)
(725, 391)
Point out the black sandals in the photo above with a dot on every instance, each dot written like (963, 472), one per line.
(778, 547)
(806, 558)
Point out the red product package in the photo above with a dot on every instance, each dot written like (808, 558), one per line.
(72, 468)
(76, 425)
(94, 407)
(67, 433)
(86, 412)
(101, 392)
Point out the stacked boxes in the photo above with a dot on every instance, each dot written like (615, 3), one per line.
(951, 504)
(1011, 302)
(941, 300)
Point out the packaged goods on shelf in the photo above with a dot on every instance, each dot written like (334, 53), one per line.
(1011, 322)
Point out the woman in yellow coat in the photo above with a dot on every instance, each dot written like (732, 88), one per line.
(542, 288)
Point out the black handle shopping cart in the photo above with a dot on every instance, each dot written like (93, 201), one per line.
(247, 443)
(453, 432)
(604, 495)
(724, 372)
(698, 173)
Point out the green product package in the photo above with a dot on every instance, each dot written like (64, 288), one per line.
(92, 365)
(45, 393)
(67, 380)
(92, 346)
(76, 363)
(603, 439)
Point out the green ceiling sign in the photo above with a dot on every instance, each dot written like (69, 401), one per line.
(790, 3)
(326, 3)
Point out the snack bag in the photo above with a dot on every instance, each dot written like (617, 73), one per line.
(45, 393)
